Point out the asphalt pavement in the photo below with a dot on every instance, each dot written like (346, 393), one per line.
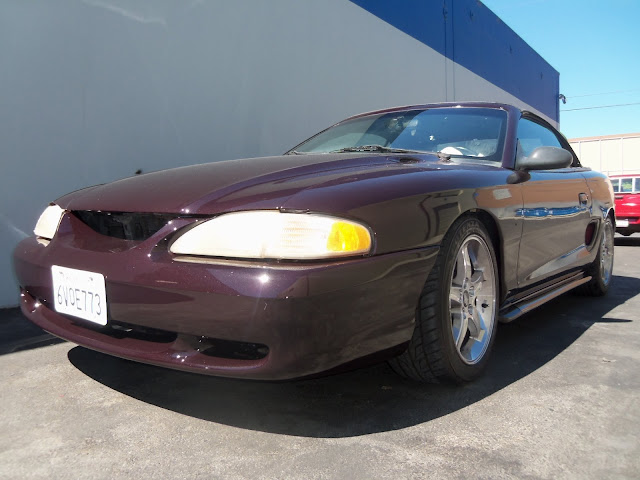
(560, 399)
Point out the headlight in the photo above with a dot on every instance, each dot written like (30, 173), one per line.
(271, 234)
(48, 222)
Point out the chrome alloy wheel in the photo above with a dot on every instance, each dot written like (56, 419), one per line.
(472, 299)
(606, 253)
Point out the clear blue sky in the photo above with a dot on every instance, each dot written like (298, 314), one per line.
(595, 45)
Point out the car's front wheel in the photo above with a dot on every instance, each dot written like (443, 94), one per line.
(456, 314)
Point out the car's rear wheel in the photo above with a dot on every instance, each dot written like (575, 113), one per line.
(601, 270)
(456, 313)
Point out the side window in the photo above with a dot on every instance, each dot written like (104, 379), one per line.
(626, 185)
(615, 183)
(532, 135)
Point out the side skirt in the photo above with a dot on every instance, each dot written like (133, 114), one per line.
(511, 312)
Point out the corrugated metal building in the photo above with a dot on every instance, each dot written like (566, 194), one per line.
(94, 90)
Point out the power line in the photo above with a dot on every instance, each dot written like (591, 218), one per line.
(599, 106)
(604, 93)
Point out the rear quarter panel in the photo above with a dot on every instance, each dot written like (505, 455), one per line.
(601, 193)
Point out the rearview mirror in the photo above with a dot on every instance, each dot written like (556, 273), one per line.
(546, 158)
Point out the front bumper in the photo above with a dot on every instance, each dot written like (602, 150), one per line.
(293, 320)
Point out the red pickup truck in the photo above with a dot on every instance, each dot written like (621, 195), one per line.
(627, 196)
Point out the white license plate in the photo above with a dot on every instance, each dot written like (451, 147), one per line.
(622, 223)
(79, 293)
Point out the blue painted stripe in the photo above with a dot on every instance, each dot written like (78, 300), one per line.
(471, 35)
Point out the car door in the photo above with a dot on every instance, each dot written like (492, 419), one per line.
(556, 209)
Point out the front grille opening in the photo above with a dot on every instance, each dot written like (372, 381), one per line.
(122, 225)
(212, 347)
(215, 347)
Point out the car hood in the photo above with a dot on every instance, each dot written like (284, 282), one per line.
(254, 183)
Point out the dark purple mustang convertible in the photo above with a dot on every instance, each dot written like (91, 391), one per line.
(406, 234)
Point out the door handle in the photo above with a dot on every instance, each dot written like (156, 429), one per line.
(584, 198)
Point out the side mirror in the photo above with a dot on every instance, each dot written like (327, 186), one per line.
(546, 158)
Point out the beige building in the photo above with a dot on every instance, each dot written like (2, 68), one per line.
(610, 154)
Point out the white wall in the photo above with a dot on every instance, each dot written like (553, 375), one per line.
(93, 90)
(612, 155)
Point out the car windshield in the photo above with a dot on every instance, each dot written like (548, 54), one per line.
(460, 132)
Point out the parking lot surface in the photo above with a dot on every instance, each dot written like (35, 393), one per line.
(560, 399)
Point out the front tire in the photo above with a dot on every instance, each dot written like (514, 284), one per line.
(456, 313)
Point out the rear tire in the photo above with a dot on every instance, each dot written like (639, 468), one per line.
(602, 267)
(456, 312)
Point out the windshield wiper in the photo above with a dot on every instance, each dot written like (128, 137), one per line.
(375, 148)
(378, 148)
